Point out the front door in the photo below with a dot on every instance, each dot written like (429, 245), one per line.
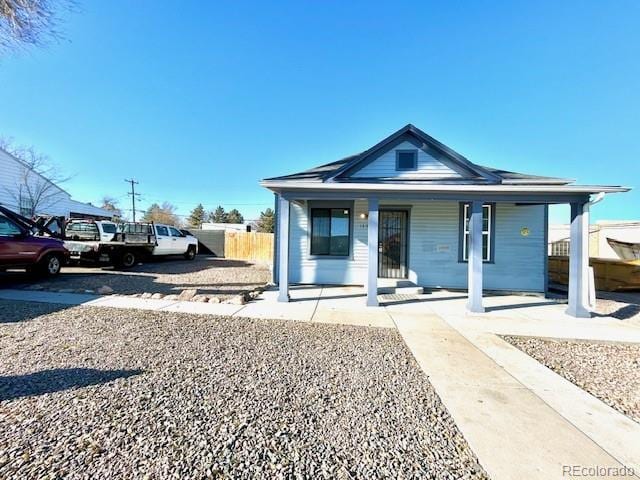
(392, 244)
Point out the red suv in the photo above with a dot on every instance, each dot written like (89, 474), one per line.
(19, 248)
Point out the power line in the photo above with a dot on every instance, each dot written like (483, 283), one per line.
(133, 196)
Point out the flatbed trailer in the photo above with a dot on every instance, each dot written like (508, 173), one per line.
(134, 242)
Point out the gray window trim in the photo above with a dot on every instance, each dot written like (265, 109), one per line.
(415, 160)
(347, 205)
(492, 234)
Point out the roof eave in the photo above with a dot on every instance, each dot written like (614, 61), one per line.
(489, 188)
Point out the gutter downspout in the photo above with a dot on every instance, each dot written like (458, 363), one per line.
(599, 197)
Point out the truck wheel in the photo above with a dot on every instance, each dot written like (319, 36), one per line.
(190, 254)
(50, 265)
(128, 259)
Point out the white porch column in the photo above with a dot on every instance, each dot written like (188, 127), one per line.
(283, 249)
(474, 304)
(579, 261)
(372, 243)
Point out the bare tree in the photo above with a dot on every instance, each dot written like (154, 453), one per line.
(36, 186)
(162, 214)
(111, 204)
(31, 22)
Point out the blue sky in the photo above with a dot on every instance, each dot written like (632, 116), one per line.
(200, 100)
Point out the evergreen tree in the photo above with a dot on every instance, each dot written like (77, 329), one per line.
(197, 216)
(234, 216)
(219, 215)
(267, 221)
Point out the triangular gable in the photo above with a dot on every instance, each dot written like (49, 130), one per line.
(436, 161)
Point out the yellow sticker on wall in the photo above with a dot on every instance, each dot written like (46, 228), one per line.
(524, 231)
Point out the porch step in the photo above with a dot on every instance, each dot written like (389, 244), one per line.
(397, 286)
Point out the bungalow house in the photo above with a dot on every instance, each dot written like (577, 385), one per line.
(413, 210)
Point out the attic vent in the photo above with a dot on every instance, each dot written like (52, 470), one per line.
(406, 159)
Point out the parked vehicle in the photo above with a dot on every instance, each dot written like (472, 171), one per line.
(172, 241)
(21, 248)
(99, 230)
(90, 241)
(95, 242)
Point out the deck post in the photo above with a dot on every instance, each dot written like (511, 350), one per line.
(283, 249)
(372, 243)
(579, 262)
(474, 258)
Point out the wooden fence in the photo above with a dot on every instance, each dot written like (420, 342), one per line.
(610, 275)
(254, 246)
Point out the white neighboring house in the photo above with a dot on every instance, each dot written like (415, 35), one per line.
(621, 230)
(14, 175)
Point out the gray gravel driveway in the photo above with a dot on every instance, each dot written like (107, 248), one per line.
(102, 393)
(609, 371)
(209, 275)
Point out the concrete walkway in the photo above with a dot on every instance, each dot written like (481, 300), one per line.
(520, 418)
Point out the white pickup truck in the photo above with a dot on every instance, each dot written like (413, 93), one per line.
(125, 244)
(171, 241)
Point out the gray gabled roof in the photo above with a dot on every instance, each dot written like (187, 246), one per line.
(341, 170)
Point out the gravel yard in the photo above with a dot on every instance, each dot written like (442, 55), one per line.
(609, 371)
(97, 393)
(209, 275)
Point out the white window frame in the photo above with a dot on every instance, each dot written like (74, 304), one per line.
(487, 232)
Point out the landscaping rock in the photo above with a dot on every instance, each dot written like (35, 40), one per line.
(157, 296)
(100, 393)
(237, 300)
(187, 294)
(146, 295)
(214, 300)
(105, 290)
(609, 371)
(171, 296)
(200, 298)
(166, 276)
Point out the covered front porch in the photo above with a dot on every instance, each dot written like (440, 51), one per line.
(465, 254)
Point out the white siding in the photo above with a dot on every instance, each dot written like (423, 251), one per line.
(433, 249)
(345, 271)
(11, 172)
(384, 166)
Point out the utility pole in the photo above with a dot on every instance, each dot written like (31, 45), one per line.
(133, 196)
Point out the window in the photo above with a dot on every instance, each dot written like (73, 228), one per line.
(162, 231)
(406, 159)
(26, 207)
(561, 248)
(109, 227)
(8, 228)
(330, 231)
(175, 232)
(487, 233)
